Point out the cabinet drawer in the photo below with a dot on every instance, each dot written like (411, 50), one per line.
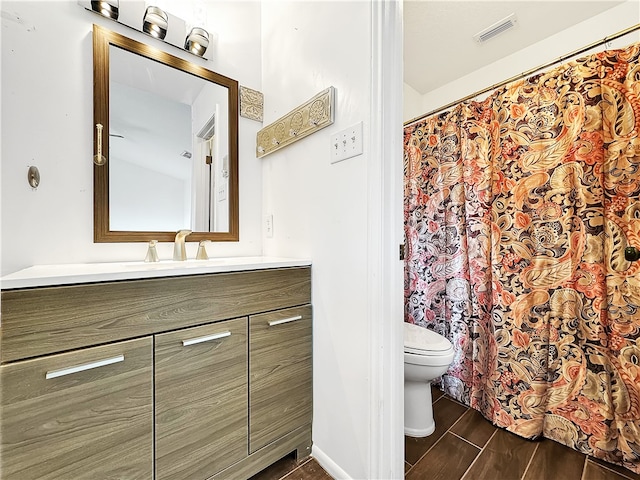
(81, 415)
(201, 399)
(47, 320)
(280, 374)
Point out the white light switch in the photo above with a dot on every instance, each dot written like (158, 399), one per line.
(346, 143)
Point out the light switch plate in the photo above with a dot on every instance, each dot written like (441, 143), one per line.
(346, 143)
(268, 225)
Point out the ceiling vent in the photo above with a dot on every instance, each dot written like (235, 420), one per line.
(496, 29)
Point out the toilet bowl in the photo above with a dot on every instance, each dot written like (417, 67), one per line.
(427, 355)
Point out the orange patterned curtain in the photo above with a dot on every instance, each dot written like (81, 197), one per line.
(517, 213)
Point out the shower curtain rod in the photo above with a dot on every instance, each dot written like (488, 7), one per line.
(619, 34)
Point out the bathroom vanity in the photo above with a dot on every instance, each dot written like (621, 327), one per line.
(199, 372)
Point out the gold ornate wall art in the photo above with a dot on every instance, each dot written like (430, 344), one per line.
(251, 103)
(304, 120)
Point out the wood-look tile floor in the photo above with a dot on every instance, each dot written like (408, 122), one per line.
(287, 469)
(465, 446)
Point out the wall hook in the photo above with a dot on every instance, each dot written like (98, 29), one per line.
(33, 177)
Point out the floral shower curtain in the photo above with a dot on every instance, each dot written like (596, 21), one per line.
(517, 213)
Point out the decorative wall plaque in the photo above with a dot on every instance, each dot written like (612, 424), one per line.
(308, 118)
(251, 103)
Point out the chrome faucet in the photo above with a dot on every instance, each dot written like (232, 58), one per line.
(179, 252)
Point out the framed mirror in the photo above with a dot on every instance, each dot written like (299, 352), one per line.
(168, 132)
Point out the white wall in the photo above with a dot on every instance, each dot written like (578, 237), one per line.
(147, 200)
(412, 102)
(327, 212)
(46, 121)
(320, 210)
(609, 22)
(149, 184)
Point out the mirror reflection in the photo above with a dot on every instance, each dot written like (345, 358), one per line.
(171, 143)
(163, 136)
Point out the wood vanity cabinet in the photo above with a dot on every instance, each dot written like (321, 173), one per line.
(201, 399)
(280, 387)
(59, 423)
(167, 378)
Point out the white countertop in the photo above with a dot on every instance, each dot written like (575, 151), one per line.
(47, 275)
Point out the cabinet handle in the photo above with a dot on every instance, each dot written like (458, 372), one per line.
(207, 338)
(285, 320)
(83, 367)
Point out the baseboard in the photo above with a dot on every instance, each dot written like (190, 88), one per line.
(329, 465)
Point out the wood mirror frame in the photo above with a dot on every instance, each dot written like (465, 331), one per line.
(102, 39)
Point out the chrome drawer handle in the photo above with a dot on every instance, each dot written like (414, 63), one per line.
(86, 366)
(207, 338)
(285, 320)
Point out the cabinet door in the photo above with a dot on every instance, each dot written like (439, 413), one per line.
(280, 368)
(85, 414)
(201, 399)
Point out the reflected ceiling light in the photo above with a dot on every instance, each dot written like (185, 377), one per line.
(197, 41)
(107, 8)
(155, 22)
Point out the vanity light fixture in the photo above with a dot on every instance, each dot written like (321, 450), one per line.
(155, 22)
(197, 41)
(107, 8)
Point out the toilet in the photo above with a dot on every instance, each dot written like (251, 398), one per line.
(427, 355)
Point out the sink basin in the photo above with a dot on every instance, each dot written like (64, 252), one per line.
(173, 264)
